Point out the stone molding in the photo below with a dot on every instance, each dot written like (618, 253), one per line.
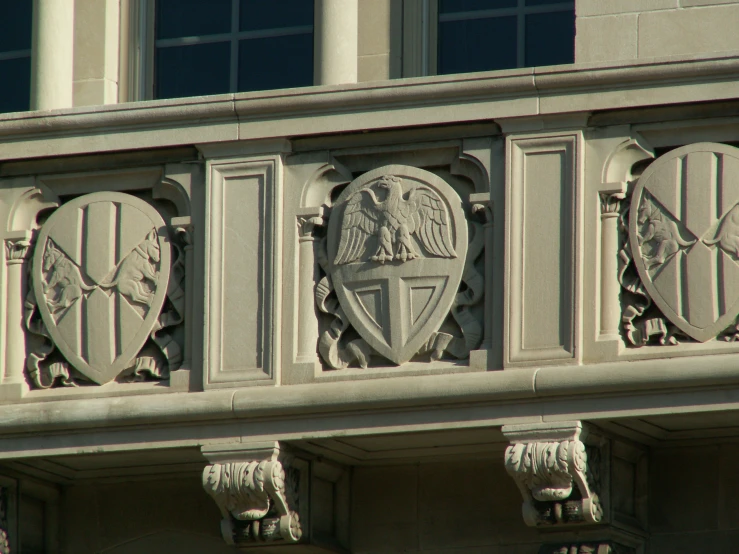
(256, 491)
(550, 465)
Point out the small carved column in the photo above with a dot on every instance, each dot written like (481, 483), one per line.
(17, 252)
(552, 469)
(482, 205)
(183, 231)
(308, 276)
(610, 308)
(257, 490)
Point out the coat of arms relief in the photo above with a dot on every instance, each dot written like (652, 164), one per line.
(106, 294)
(400, 281)
(679, 259)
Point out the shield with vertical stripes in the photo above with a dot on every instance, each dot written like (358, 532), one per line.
(684, 232)
(100, 274)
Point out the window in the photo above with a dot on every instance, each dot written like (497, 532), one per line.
(15, 56)
(222, 46)
(480, 35)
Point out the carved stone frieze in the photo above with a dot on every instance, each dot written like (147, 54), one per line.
(556, 474)
(259, 498)
(679, 261)
(105, 291)
(399, 276)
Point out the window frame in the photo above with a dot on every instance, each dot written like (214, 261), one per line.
(138, 68)
(421, 20)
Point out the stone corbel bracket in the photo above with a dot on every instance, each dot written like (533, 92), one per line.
(550, 465)
(257, 493)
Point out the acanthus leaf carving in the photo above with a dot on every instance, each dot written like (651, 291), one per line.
(258, 499)
(599, 547)
(557, 478)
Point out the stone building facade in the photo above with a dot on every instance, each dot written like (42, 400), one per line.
(406, 309)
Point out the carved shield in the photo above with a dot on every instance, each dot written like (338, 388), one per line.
(684, 233)
(100, 274)
(397, 241)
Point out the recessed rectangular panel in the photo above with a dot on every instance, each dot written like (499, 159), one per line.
(541, 230)
(241, 253)
(242, 279)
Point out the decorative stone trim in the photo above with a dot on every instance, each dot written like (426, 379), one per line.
(257, 493)
(551, 467)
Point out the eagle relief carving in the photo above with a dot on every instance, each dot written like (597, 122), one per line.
(105, 294)
(394, 256)
(679, 258)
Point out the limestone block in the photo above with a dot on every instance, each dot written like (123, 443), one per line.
(96, 50)
(586, 8)
(374, 68)
(606, 38)
(688, 32)
(374, 27)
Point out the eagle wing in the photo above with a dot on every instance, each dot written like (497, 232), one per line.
(360, 221)
(429, 220)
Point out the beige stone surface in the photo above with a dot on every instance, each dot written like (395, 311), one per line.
(612, 37)
(96, 52)
(374, 27)
(690, 31)
(692, 3)
(586, 8)
(374, 67)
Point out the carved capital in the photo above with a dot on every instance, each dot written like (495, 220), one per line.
(551, 467)
(482, 207)
(183, 229)
(308, 219)
(610, 203)
(257, 492)
(17, 251)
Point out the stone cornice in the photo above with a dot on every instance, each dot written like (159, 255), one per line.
(269, 114)
(623, 389)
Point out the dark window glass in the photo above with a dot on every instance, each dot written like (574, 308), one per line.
(544, 2)
(189, 18)
(33, 525)
(549, 38)
(255, 15)
(16, 98)
(276, 62)
(454, 6)
(477, 45)
(15, 25)
(193, 70)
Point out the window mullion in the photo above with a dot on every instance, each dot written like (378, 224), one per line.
(521, 34)
(234, 76)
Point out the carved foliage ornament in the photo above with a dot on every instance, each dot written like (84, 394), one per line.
(100, 283)
(256, 499)
(683, 241)
(547, 474)
(395, 253)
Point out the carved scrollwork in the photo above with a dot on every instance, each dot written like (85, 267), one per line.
(258, 500)
(558, 480)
